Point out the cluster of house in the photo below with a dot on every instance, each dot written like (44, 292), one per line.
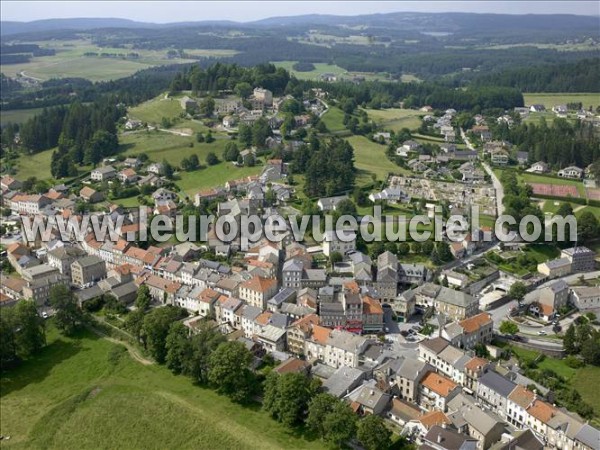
(260, 104)
(444, 124)
(572, 260)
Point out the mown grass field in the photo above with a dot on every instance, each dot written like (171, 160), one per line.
(37, 165)
(69, 61)
(71, 397)
(320, 69)
(551, 99)
(395, 118)
(173, 148)
(334, 120)
(551, 207)
(17, 115)
(370, 158)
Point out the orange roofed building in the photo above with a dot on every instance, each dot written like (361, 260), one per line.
(257, 290)
(435, 391)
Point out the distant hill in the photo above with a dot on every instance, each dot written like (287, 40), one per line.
(426, 21)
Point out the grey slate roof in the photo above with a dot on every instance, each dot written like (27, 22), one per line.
(497, 383)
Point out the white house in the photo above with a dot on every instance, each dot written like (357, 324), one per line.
(571, 172)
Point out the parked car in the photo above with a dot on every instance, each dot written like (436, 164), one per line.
(542, 333)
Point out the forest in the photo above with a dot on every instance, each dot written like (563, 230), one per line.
(560, 144)
(581, 76)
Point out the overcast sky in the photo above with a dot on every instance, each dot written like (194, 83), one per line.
(243, 11)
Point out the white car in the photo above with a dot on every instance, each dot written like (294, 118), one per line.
(44, 315)
(542, 333)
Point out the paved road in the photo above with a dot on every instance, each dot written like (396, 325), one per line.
(495, 181)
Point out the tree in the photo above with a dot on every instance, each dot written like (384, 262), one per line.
(243, 89)
(345, 207)
(517, 291)
(340, 424)
(373, 434)
(319, 407)
(207, 106)
(564, 210)
(245, 135)
(570, 340)
(229, 371)
(590, 350)
(209, 137)
(261, 130)
(178, 347)
(67, 315)
(588, 227)
(443, 251)
(143, 298)
(427, 247)
(211, 159)
(167, 169)
(403, 248)
(199, 137)
(202, 344)
(30, 335)
(155, 328)
(134, 322)
(191, 163)
(335, 257)
(508, 327)
(286, 396)
(231, 152)
(8, 346)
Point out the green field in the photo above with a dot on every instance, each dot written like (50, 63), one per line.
(37, 165)
(370, 158)
(69, 61)
(551, 99)
(533, 178)
(71, 397)
(551, 207)
(525, 177)
(395, 118)
(17, 115)
(334, 120)
(160, 145)
(320, 68)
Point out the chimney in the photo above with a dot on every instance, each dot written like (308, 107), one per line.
(439, 439)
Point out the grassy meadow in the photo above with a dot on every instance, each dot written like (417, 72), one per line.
(70, 61)
(395, 118)
(551, 99)
(72, 397)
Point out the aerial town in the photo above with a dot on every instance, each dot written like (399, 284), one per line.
(471, 344)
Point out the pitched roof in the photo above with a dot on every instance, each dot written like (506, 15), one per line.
(433, 418)
(498, 383)
(476, 364)
(320, 334)
(473, 324)
(438, 384)
(436, 345)
(542, 411)
(306, 322)
(371, 306)
(259, 284)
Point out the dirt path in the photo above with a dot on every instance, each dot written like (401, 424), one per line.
(134, 352)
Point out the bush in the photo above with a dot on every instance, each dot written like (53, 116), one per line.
(573, 362)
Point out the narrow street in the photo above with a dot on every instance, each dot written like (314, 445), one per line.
(495, 181)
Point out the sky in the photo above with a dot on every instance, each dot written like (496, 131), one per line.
(245, 11)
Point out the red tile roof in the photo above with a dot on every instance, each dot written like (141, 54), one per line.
(438, 384)
(259, 284)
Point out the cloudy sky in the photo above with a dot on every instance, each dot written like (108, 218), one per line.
(243, 11)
